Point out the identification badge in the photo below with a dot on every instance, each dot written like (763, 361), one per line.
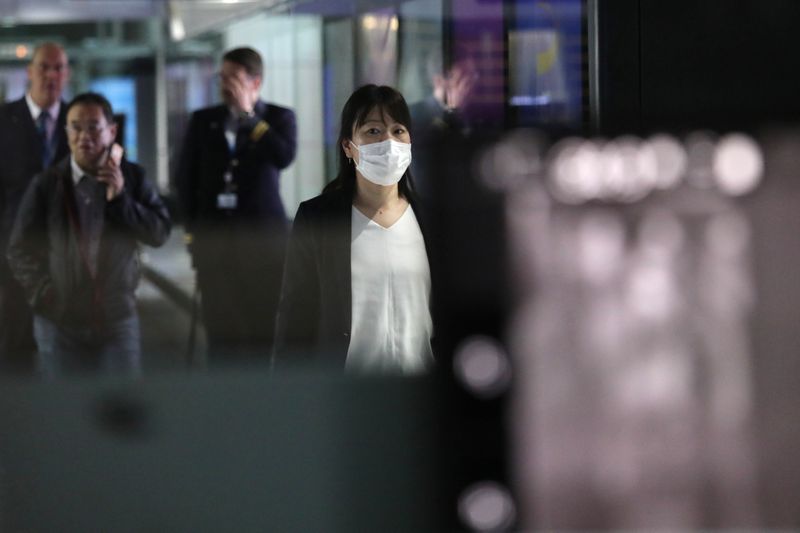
(227, 200)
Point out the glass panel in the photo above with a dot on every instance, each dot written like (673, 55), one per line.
(121, 92)
(339, 75)
(546, 63)
(421, 40)
(377, 46)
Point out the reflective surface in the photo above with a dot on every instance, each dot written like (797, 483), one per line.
(643, 347)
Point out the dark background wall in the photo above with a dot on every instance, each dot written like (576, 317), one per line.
(686, 64)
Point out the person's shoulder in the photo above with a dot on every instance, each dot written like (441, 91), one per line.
(427, 105)
(47, 178)
(12, 104)
(425, 115)
(132, 166)
(132, 171)
(275, 109)
(210, 113)
(318, 203)
(62, 110)
(327, 203)
(13, 107)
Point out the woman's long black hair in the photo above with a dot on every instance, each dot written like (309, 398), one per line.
(358, 106)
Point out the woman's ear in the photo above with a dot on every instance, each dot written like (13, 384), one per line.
(347, 147)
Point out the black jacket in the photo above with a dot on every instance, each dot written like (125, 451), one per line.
(316, 298)
(265, 144)
(45, 259)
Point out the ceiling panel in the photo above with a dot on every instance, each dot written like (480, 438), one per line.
(55, 11)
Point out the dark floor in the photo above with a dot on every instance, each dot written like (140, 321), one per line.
(166, 320)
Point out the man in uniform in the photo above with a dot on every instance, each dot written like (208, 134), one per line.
(228, 184)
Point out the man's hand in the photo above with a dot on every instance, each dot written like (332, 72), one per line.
(243, 98)
(459, 84)
(111, 174)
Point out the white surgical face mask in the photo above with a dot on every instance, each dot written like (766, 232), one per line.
(383, 163)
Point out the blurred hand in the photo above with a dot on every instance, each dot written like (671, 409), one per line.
(110, 173)
(459, 85)
(240, 93)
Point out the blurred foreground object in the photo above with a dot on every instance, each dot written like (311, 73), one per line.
(651, 336)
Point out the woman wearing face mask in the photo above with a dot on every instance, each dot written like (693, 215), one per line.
(356, 286)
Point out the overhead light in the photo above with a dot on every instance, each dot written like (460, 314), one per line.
(177, 31)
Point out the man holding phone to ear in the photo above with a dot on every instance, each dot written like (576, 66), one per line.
(74, 245)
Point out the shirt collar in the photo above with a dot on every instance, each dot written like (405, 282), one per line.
(35, 109)
(77, 172)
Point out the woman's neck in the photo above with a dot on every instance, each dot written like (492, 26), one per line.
(376, 198)
(383, 205)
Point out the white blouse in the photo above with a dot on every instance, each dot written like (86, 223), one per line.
(391, 325)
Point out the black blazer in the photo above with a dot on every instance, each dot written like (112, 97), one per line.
(255, 165)
(22, 160)
(316, 298)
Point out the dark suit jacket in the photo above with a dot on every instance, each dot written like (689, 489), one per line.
(431, 125)
(255, 164)
(316, 298)
(22, 147)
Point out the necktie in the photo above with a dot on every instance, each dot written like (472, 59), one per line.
(41, 125)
